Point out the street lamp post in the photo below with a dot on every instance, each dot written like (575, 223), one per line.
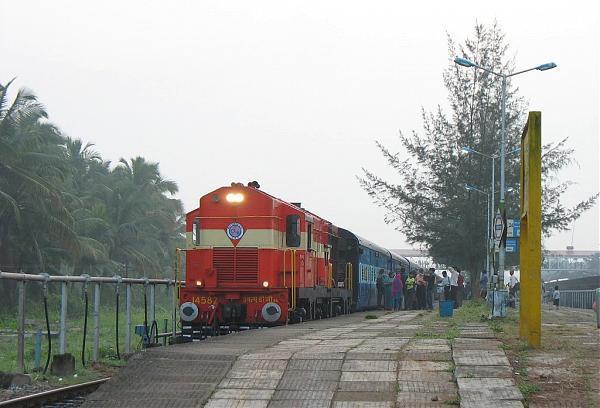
(469, 64)
(492, 192)
(487, 245)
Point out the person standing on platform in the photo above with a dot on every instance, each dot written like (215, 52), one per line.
(430, 278)
(483, 285)
(421, 288)
(460, 289)
(397, 287)
(380, 289)
(387, 283)
(556, 297)
(453, 285)
(446, 285)
(410, 291)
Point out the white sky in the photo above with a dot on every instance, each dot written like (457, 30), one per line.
(292, 94)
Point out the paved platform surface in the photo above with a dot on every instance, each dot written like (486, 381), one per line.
(347, 361)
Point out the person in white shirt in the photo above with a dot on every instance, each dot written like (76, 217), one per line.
(512, 282)
(454, 285)
(556, 297)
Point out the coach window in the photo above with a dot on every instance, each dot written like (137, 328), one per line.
(196, 231)
(292, 230)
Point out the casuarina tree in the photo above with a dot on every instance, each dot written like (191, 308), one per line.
(428, 200)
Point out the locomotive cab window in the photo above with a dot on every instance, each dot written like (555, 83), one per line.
(309, 236)
(196, 231)
(292, 230)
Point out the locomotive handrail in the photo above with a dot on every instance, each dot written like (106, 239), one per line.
(284, 271)
(294, 278)
(331, 280)
(349, 275)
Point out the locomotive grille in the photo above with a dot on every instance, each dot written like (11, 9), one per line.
(236, 265)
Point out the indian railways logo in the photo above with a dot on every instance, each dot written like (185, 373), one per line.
(235, 230)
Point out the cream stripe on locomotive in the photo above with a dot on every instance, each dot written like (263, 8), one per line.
(255, 238)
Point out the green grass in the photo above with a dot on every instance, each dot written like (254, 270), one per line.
(107, 347)
(527, 389)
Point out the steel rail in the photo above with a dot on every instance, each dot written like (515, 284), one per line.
(56, 394)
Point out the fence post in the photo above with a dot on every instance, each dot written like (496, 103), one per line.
(152, 309)
(63, 319)
(598, 307)
(128, 318)
(174, 307)
(165, 331)
(96, 322)
(21, 327)
(38, 349)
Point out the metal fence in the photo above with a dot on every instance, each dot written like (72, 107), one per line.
(96, 281)
(579, 299)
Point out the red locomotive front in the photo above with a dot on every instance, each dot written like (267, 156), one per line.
(248, 255)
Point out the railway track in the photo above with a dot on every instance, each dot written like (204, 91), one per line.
(69, 396)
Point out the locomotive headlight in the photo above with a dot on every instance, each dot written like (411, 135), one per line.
(199, 283)
(265, 284)
(234, 197)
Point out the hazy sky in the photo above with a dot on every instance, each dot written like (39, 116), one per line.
(292, 94)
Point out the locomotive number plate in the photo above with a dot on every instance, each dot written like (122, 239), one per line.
(204, 300)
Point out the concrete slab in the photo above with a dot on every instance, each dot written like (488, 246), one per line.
(365, 396)
(368, 376)
(352, 355)
(484, 383)
(312, 374)
(379, 386)
(313, 356)
(279, 355)
(252, 383)
(363, 404)
(309, 403)
(232, 403)
(315, 365)
(306, 384)
(411, 399)
(370, 365)
(247, 373)
(425, 376)
(426, 387)
(424, 365)
(302, 395)
(495, 404)
(491, 394)
(482, 360)
(483, 371)
(260, 364)
(242, 394)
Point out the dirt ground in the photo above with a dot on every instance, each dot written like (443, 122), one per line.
(565, 371)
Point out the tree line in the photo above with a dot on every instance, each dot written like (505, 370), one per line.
(65, 208)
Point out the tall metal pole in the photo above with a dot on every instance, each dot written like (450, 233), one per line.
(491, 247)
(487, 246)
(501, 204)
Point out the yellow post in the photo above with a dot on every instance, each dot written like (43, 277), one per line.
(531, 231)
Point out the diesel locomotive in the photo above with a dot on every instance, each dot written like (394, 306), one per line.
(255, 260)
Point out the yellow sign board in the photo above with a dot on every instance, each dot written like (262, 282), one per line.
(531, 231)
